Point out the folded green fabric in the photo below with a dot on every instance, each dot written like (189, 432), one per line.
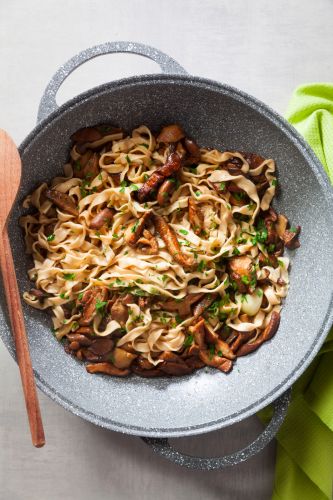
(304, 462)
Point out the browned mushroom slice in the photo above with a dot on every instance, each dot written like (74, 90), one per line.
(224, 349)
(290, 237)
(198, 331)
(85, 330)
(267, 334)
(172, 165)
(269, 260)
(215, 361)
(173, 365)
(171, 133)
(119, 310)
(108, 369)
(194, 363)
(253, 159)
(191, 351)
(169, 237)
(241, 271)
(62, 200)
(144, 364)
(39, 294)
(134, 231)
(183, 306)
(81, 339)
(104, 217)
(88, 134)
(211, 337)
(193, 151)
(155, 372)
(241, 338)
(122, 358)
(90, 299)
(101, 346)
(148, 243)
(201, 306)
(195, 216)
(281, 225)
(165, 191)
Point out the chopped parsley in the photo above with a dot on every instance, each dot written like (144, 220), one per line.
(245, 280)
(281, 263)
(201, 266)
(259, 292)
(63, 296)
(235, 251)
(293, 229)
(100, 177)
(123, 184)
(178, 319)
(115, 236)
(144, 145)
(274, 182)
(261, 233)
(69, 276)
(211, 351)
(50, 237)
(222, 186)
(183, 231)
(128, 159)
(197, 193)
(80, 296)
(243, 298)
(188, 341)
(220, 353)
(135, 226)
(100, 306)
(134, 187)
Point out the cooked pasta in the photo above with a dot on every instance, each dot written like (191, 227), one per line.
(157, 256)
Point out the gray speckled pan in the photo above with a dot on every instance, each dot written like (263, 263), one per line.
(216, 115)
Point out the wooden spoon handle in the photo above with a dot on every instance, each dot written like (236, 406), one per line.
(21, 341)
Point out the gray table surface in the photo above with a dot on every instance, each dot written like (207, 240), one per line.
(265, 48)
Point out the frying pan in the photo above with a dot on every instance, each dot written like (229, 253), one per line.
(220, 116)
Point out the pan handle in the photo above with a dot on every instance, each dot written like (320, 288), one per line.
(48, 101)
(163, 448)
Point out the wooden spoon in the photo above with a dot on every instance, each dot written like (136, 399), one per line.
(10, 175)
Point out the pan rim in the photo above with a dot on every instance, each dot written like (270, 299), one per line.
(315, 166)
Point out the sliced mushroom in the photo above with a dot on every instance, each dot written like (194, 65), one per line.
(108, 369)
(171, 133)
(267, 334)
(144, 363)
(290, 238)
(135, 230)
(172, 165)
(104, 217)
(222, 364)
(253, 159)
(201, 306)
(194, 363)
(155, 372)
(281, 225)
(88, 166)
(62, 200)
(119, 310)
(81, 339)
(165, 191)
(169, 237)
(241, 271)
(183, 306)
(148, 243)
(198, 331)
(195, 216)
(39, 294)
(87, 134)
(225, 349)
(241, 338)
(267, 260)
(89, 301)
(101, 346)
(85, 330)
(122, 358)
(173, 364)
(193, 151)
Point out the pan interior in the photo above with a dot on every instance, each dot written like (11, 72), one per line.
(216, 116)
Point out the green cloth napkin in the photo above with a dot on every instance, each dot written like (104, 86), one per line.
(304, 462)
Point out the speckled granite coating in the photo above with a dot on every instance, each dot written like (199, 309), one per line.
(216, 115)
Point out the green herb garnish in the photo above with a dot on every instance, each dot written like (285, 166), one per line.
(188, 341)
(69, 276)
(183, 231)
(50, 237)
